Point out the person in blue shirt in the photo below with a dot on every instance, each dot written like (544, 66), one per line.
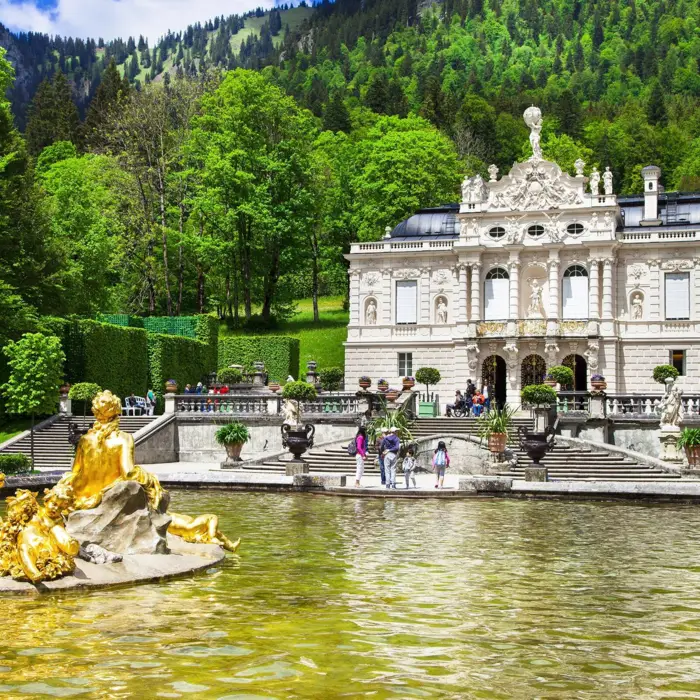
(391, 446)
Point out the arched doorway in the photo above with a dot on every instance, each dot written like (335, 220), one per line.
(493, 371)
(580, 368)
(532, 370)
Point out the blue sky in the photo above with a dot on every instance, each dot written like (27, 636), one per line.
(113, 18)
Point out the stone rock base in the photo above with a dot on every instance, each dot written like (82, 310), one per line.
(536, 474)
(330, 481)
(485, 484)
(296, 467)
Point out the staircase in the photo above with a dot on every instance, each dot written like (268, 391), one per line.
(51, 447)
(331, 460)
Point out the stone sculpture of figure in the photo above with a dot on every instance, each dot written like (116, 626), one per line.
(671, 409)
(595, 182)
(533, 118)
(536, 308)
(579, 165)
(493, 173)
(466, 189)
(290, 412)
(441, 311)
(637, 307)
(608, 181)
(371, 314)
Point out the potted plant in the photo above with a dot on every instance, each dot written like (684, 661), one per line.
(408, 383)
(549, 380)
(428, 376)
(232, 436)
(538, 395)
(171, 386)
(85, 392)
(365, 382)
(273, 386)
(598, 382)
(562, 375)
(689, 440)
(496, 426)
(663, 373)
(383, 385)
(392, 395)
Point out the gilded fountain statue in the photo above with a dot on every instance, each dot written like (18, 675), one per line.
(35, 545)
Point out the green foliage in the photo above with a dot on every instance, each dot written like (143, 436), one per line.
(84, 391)
(689, 437)
(15, 464)
(279, 353)
(428, 376)
(497, 420)
(331, 378)
(299, 391)
(232, 434)
(229, 375)
(538, 395)
(36, 372)
(173, 357)
(391, 418)
(664, 372)
(563, 375)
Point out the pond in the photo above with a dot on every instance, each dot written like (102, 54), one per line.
(340, 597)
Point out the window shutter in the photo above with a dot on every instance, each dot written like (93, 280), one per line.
(677, 295)
(496, 292)
(407, 301)
(574, 301)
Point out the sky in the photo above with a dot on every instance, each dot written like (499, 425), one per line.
(116, 18)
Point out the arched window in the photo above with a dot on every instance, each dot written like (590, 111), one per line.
(497, 232)
(496, 291)
(574, 297)
(574, 229)
(535, 231)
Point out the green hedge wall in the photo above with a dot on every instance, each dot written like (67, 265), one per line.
(173, 357)
(279, 353)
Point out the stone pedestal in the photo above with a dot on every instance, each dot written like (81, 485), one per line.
(541, 418)
(668, 437)
(65, 405)
(536, 474)
(597, 409)
(169, 403)
(296, 467)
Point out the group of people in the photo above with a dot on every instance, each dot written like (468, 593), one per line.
(131, 403)
(388, 446)
(473, 402)
(201, 389)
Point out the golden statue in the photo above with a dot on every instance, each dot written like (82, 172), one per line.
(34, 543)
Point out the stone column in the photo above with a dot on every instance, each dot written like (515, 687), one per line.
(354, 297)
(607, 289)
(514, 285)
(425, 311)
(553, 311)
(654, 290)
(476, 292)
(594, 291)
(386, 297)
(462, 295)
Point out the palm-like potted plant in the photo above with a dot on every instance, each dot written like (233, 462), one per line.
(496, 426)
(689, 440)
(232, 436)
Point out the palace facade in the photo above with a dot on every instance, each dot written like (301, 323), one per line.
(532, 269)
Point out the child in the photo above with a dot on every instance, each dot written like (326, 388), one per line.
(409, 465)
(441, 460)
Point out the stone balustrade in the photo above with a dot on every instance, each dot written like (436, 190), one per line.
(647, 405)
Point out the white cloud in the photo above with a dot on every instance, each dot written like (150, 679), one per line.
(119, 18)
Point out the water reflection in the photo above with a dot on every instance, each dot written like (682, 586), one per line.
(352, 598)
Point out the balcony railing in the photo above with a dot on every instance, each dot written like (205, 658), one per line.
(570, 401)
(647, 405)
(388, 246)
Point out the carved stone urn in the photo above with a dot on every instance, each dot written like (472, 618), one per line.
(536, 444)
(297, 439)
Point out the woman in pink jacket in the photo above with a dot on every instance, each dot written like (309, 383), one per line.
(361, 444)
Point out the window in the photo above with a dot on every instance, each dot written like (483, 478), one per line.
(407, 301)
(678, 360)
(574, 298)
(535, 231)
(405, 364)
(497, 232)
(496, 292)
(574, 229)
(677, 296)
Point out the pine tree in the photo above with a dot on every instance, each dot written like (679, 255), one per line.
(40, 127)
(336, 116)
(656, 107)
(397, 99)
(377, 95)
(568, 111)
(106, 97)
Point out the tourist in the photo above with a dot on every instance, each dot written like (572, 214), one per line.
(487, 395)
(360, 455)
(392, 446)
(150, 402)
(477, 403)
(409, 465)
(456, 405)
(365, 419)
(188, 389)
(441, 460)
(199, 388)
(380, 452)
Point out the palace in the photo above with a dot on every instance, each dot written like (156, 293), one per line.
(530, 270)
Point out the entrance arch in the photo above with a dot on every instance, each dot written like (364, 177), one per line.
(532, 370)
(493, 371)
(580, 369)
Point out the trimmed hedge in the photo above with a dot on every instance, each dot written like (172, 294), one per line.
(18, 463)
(115, 357)
(279, 353)
(173, 357)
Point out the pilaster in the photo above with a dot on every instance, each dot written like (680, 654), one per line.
(607, 289)
(425, 315)
(476, 292)
(354, 297)
(654, 289)
(462, 314)
(386, 296)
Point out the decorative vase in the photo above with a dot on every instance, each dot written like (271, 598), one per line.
(550, 382)
(365, 384)
(535, 444)
(408, 384)
(64, 389)
(383, 386)
(693, 455)
(171, 387)
(233, 451)
(273, 386)
(599, 386)
(392, 395)
(497, 442)
(297, 439)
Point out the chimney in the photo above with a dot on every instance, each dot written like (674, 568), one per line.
(651, 174)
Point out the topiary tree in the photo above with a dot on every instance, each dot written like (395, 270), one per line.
(562, 374)
(538, 394)
(331, 378)
(36, 372)
(663, 372)
(428, 376)
(85, 392)
(230, 375)
(299, 391)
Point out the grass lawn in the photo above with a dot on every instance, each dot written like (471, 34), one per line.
(322, 341)
(14, 427)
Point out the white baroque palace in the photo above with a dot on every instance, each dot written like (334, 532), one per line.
(531, 270)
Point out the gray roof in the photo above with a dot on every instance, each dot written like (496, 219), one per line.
(435, 223)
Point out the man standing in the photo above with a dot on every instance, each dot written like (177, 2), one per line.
(391, 445)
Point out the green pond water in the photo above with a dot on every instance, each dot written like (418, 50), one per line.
(353, 598)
